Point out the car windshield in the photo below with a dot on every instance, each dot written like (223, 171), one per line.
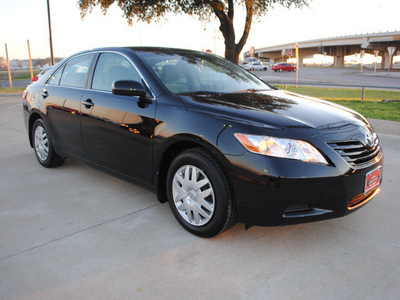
(200, 73)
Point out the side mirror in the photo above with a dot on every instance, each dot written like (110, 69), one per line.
(128, 88)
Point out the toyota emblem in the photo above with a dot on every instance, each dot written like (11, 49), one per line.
(369, 139)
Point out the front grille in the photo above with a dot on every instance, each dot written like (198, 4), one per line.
(355, 153)
(361, 199)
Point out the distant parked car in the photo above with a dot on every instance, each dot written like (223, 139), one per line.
(283, 67)
(255, 66)
(247, 60)
(44, 71)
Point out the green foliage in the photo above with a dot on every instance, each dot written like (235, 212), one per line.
(151, 10)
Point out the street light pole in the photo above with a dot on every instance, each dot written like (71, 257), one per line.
(51, 39)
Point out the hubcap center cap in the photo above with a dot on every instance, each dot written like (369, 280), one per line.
(192, 195)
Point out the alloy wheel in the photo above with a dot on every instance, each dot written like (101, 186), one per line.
(193, 195)
(41, 143)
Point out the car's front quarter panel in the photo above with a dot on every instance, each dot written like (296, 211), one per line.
(178, 124)
(266, 186)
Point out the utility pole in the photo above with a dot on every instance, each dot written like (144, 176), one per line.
(30, 59)
(51, 39)
(297, 65)
(8, 67)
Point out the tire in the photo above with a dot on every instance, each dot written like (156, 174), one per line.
(203, 203)
(43, 145)
(280, 70)
(265, 69)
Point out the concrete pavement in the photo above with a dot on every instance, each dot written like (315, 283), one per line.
(75, 233)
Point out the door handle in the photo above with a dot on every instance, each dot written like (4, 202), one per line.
(88, 103)
(44, 93)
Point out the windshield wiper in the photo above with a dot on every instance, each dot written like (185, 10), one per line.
(252, 90)
(200, 93)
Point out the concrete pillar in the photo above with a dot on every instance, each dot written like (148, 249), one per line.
(386, 62)
(383, 62)
(339, 57)
(339, 61)
(301, 58)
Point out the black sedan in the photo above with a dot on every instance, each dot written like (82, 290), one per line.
(214, 140)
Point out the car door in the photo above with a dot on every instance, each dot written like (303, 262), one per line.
(62, 93)
(118, 130)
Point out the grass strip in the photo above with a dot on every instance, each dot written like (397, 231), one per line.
(371, 107)
(12, 90)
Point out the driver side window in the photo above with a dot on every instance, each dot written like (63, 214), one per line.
(112, 67)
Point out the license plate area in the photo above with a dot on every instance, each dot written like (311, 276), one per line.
(372, 180)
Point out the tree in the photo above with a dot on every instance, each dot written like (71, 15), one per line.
(3, 62)
(224, 10)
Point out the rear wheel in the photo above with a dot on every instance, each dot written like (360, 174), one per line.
(199, 194)
(43, 145)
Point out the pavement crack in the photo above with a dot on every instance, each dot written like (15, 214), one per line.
(78, 232)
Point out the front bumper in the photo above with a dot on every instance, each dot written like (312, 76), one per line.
(273, 191)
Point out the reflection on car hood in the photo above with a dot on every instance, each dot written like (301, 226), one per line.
(276, 109)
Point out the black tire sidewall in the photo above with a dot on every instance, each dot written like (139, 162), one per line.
(219, 184)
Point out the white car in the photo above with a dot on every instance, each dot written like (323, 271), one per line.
(255, 66)
(247, 60)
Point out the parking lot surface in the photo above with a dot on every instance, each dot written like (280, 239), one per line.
(73, 232)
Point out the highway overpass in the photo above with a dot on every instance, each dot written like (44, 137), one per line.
(338, 47)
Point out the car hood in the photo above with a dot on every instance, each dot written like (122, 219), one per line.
(276, 109)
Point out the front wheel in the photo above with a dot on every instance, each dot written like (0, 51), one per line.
(199, 194)
(43, 145)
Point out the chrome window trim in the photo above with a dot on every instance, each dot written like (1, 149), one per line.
(132, 63)
(62, 66)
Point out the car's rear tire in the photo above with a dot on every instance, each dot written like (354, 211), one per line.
(199, 194)
(43, 145)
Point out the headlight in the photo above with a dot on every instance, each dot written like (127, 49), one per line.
(281, 147)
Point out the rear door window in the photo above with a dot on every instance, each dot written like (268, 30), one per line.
(76, 71)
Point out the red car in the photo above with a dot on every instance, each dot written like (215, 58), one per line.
(283, 67)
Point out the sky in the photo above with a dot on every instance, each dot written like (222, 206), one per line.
(22, 20)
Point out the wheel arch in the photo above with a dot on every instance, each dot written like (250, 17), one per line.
(32, 119)
(172, 151)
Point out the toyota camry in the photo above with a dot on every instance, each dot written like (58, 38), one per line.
(212, 139)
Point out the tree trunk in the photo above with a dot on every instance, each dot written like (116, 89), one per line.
(232, 50)
(232, 53)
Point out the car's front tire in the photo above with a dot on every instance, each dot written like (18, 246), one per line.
(43, 145)
(199, 194)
